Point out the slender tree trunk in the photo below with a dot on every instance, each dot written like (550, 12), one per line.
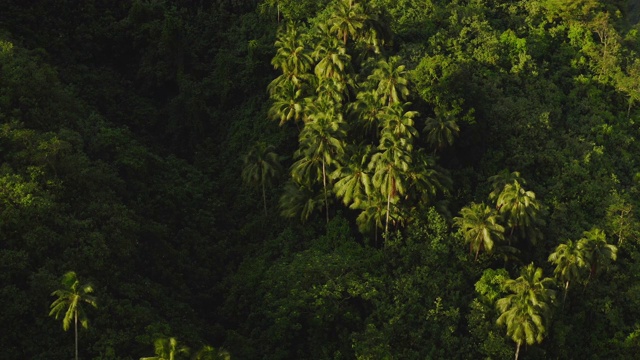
(324, 182)
(517, 349)
(566, 289)
(76, 331)
(386, 226)
(264, 199)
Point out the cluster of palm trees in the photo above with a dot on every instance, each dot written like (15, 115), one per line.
(515, 214)
(574, 259)
(357, 134)
(526, 311)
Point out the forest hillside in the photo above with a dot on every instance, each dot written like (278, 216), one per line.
(319, 179)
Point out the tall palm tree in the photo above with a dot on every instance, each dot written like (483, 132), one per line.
(353, 180)
(521, 211)
(299, 201)
(426, 178)
(333, 59)
(374, 211)
(596, 251)
(399, 122)
(69, 303)
(347, 19)
(527, 310)
(569, 261)
(288, 104)
(480, 227)
(390, 166)
(321, 145)
(441, 131)
(291, 55)
(367, 110)
(502, 179)
(391, 80)
(261, 167)
(167, 349)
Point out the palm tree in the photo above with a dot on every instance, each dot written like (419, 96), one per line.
(480, 228)
(392, 84)
(426, 178)
(390, 167)
(321, 145)
(374, 210)
(569, 262)
(347, 18)
(441, 130)
(596, 251)
(367, 110)
(521, 210)
(261, 167)
(352, 180)
(527, 310)
(299, 201)
(333, 59)
(504, 178)
(210, 353)
(167, 349)
(291, 56)
(69, 303)
(399, 122)
(288, 104)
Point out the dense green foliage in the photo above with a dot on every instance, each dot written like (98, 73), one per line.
(336, 179)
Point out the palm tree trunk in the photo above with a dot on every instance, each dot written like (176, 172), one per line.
(517, 349)
(386, 226)
(566, 289)
(76, 331)
(324, 183)
(264, 199)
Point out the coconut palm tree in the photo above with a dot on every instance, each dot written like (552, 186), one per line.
(526, 312)
(480, 227)
(288, 104)
(292, 57)
(391, 80)
(441, 130)
(261, 167)
(353, 180)
(374, 212)
(168, 349)
(69, 303)
(395, 120)
(299, 201)
(569, 261)
(597, 253)
(332, 58)
(426, 178)
(504, 178)
(321, 145)
(347, 19)
(390, 166)
(521, 210)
